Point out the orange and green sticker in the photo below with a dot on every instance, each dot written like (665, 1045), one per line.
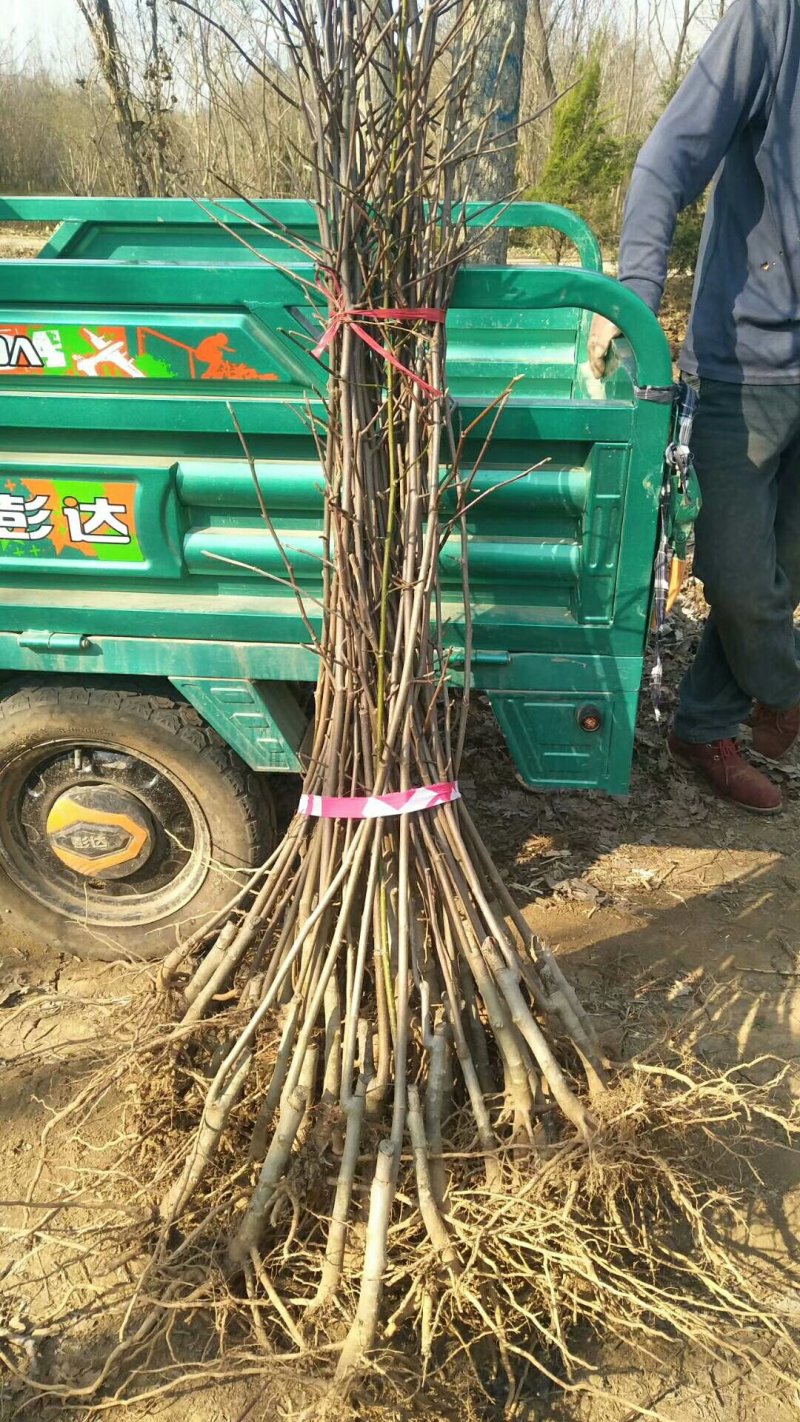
(98, 352)
(84, 519)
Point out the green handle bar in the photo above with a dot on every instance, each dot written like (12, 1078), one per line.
(547, 215)
(531, 288)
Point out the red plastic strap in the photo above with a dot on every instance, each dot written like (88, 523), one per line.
(343, 315)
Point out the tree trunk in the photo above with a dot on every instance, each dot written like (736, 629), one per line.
(495, 102)
(155, 104)
(102, 29)
(680, 47)
(542, 36)
(634, 69)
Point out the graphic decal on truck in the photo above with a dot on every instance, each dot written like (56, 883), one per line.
(212, 352)
(124, 352)
(75, 519)
(18, 352)
(22, 518)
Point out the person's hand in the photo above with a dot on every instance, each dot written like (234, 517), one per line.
(602, 333)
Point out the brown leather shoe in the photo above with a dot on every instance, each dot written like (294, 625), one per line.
(774, 732)
(728, 773)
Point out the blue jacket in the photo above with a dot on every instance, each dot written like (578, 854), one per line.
(736, 116)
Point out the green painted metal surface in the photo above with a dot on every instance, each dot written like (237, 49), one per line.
(262, 720)
(185, 230)
(131, 541)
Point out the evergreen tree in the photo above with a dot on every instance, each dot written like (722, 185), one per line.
(586, 161)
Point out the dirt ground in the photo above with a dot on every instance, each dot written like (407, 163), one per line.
(650, 901)
(21, 241)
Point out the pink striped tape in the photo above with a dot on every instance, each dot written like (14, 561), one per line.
(377, 807)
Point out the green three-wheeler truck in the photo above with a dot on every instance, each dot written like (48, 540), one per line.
(152, 677)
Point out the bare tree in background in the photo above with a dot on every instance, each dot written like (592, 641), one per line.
(541, 26)
(687, 15)
(674, 27)
(40, 154)
(234, 130)
(102, 26)
(138, 80)
(238, 132)
(627, 126)
(158, 77)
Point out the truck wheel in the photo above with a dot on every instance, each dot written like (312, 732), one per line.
(125, 819)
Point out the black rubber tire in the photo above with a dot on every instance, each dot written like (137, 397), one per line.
(168, 731)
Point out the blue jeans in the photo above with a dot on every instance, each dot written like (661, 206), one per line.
(746, 448)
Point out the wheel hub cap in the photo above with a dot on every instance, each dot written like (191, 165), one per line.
(100, 832)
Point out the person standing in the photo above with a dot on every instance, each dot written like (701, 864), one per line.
(735, 120)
